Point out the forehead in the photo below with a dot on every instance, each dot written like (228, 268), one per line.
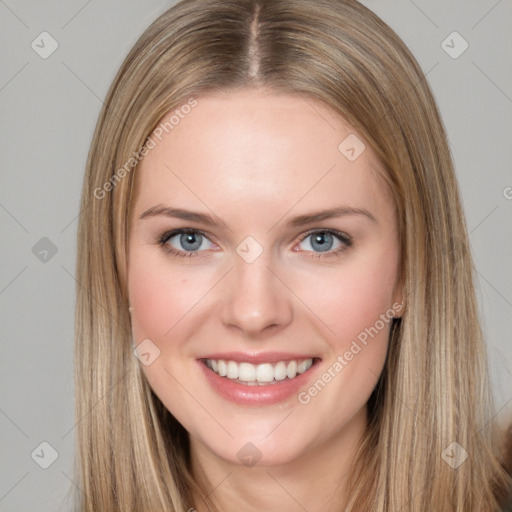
(259, 149)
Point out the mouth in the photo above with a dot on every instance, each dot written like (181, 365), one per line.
(266, 380)
(263, 374)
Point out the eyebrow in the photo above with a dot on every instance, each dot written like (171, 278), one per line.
(300, 220)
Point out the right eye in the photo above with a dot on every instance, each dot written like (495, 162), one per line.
(184, 242)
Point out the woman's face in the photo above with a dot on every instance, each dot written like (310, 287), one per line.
(285, 278)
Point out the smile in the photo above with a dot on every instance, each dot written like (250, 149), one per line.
(258, 379)
(258, 374)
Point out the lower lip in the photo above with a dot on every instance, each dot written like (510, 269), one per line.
(257, 395)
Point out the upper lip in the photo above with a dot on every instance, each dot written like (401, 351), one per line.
(258, 358)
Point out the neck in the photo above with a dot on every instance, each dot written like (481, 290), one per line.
(316, 480)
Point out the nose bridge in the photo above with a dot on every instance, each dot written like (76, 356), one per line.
(257, 299)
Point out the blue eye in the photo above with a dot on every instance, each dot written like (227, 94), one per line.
(191, 242)
(322, 241)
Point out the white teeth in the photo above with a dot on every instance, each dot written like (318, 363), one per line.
(264, 372)
(304, 365)
(280, 371)
(291, 369)
(222, 368)
(232, 370)
(252, 375)
(246, 372)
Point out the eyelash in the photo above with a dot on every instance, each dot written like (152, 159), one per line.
(342, 237)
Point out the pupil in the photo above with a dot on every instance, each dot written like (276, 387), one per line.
(322, 239)
(190, 238)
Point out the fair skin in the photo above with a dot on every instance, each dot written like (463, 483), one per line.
(253, 160)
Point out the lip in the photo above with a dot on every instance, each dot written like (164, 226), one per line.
(258, 358)
(269, 394)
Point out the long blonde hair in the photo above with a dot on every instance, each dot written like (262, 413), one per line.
(434, 390)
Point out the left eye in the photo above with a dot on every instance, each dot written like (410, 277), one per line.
(323, 241)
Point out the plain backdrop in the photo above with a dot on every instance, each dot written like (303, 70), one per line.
(49, 105)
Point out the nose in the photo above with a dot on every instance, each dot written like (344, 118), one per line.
(257, 302)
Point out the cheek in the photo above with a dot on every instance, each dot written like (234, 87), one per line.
(162, 301)
(353, 298)
(161, 297)
(356, 304)
(154, 307)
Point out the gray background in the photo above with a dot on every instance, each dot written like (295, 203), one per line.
(49, 109)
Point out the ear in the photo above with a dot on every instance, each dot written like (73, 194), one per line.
(398, 302)
(398, 308)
